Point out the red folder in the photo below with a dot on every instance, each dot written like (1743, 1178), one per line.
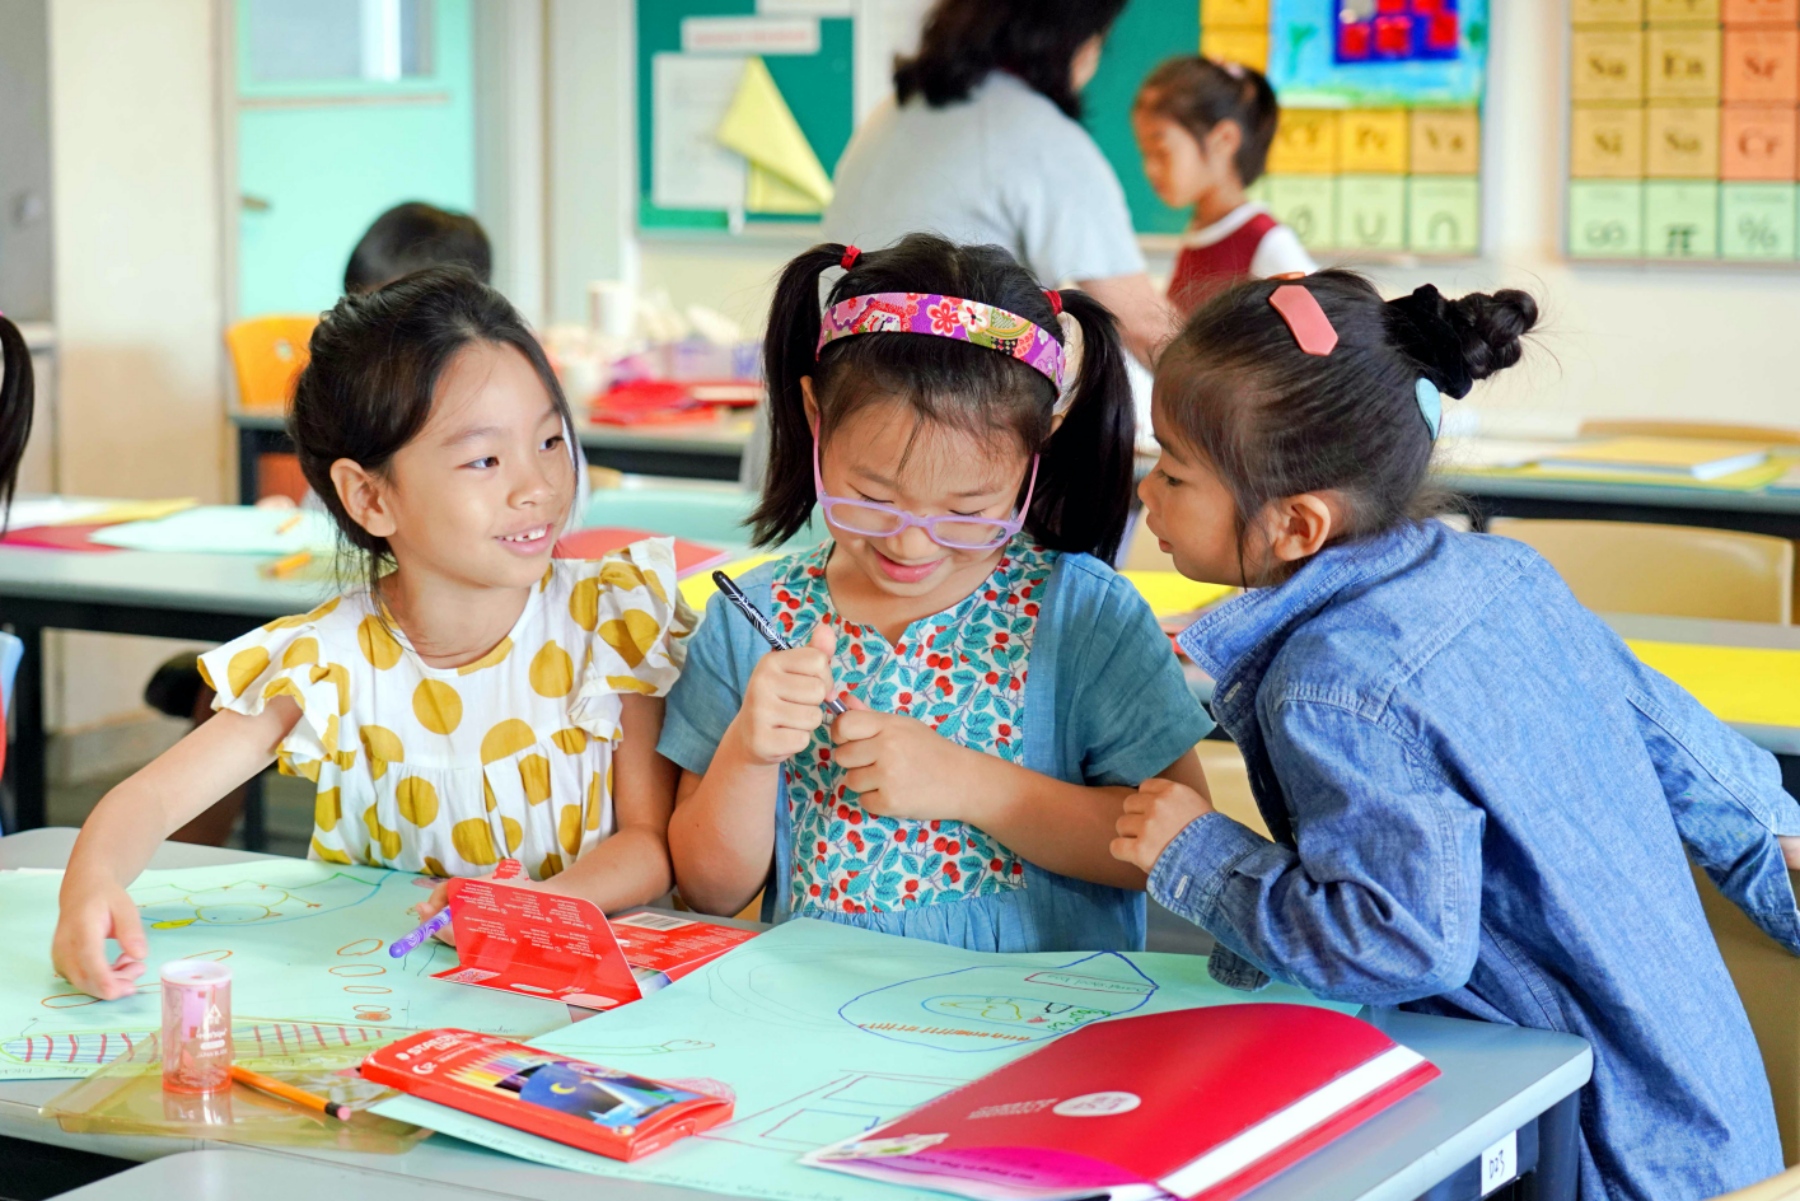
(597, 1109)
(1203, 1104)
(690, 557)
(543, 944)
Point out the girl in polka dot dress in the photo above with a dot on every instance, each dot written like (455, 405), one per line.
(473, 699)
(968, 438)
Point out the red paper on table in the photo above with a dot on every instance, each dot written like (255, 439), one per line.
(595, 1108)
(1203, 1104)
(662, 948)
(542, 944)
(59, 537)
(690, 557)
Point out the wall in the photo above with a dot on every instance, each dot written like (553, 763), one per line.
(1672, 341)
(134, 169)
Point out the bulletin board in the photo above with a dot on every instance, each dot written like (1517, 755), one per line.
(1682, 129)
(1379, 149)
(687, 77)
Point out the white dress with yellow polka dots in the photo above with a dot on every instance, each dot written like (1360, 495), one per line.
(447, 770)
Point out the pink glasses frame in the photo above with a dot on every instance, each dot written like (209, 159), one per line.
(1010, 526)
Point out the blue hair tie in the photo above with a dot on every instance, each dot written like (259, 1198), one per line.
(1431, 404)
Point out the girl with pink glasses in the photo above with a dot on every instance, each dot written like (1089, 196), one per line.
(967, 439)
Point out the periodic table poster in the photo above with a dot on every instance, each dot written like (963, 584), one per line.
(1379, 147)
(1682, 129)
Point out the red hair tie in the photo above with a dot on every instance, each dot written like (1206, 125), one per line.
(851, 254)
(1055, 299)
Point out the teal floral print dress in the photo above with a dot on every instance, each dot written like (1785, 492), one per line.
(963, 673)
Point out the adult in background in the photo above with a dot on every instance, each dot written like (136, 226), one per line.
(983, 143)
(15, 431)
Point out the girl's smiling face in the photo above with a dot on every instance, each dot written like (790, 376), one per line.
(480, 494)
(885, 453)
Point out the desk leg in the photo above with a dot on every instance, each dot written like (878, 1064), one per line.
(256, 833)
(1559, 1153)
(25, 756)
(249, 464)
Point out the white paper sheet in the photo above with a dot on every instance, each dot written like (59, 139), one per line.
(689, 169)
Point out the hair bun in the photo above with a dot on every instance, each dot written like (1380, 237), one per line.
(1456, 342)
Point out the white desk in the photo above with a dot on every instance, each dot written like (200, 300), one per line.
(1495, 1080)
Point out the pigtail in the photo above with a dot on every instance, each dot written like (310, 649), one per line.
(16, 389)
(790, 353)
(1262, 115)
(1084, 477)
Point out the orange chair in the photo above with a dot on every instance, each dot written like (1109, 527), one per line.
(268, 353)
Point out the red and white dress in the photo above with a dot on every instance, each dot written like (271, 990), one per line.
(1247, 243)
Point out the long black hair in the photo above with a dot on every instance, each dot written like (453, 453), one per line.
(1274, 421)
(1084, 475)
(1197, 93)
(372, 376)
(15, 409)
(965, 41)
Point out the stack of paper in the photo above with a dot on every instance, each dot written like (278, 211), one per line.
(1677, 457)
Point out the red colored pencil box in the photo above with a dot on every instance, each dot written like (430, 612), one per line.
(596, 1109)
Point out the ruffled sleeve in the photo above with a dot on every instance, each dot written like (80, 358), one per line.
(283, 658)
(637, 626)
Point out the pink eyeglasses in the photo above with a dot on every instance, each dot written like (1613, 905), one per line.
(950, 531)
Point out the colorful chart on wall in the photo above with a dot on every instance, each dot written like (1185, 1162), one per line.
(1379, 149)
(823, 1031)
(307, 946)
(1682, 129)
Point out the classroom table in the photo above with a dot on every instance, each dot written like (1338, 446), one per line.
(702, 451)
(206, 598)
(1757, 512)
(1496, 1080)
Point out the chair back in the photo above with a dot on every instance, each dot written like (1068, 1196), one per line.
(1665, 570)
(267, 354)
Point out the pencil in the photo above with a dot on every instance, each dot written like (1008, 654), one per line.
(289, 524)
(288, 565)
(288, 1092)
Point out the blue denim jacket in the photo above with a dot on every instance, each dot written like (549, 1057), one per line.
(1105, 703)
(1480, 800)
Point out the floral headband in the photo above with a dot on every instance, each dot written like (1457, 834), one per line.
(947, 317)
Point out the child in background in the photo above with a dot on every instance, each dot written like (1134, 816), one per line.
(1480, 798)
(1204, 129)
(15, 430)
(478, 700)
(413, 236)
(969, 439)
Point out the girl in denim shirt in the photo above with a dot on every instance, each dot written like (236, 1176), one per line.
(967, 438)
(1482, 804)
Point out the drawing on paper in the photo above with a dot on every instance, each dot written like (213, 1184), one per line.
(306, 943)
(851, 1104)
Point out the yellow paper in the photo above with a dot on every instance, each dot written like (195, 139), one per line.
(135, 510)
(760, 126)
(767, 192)
(1170, 593)
(1753, 479)
(697, 589)
(1744, 685)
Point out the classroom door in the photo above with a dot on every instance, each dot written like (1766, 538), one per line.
(344, 109)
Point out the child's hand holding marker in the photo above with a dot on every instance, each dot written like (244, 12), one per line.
(434, 911)
(782, 703)
(1154, 814)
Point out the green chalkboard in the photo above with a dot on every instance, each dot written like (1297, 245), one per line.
(819, 88)
(1146, 33)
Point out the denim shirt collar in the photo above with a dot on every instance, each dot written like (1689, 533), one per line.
(1236, 642)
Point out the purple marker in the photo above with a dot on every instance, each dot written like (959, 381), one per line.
(431, 925)
(509, 869)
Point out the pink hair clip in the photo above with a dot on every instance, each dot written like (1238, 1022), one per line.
(1308, 323)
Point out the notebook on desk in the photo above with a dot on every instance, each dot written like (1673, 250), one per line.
(1679, 458)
